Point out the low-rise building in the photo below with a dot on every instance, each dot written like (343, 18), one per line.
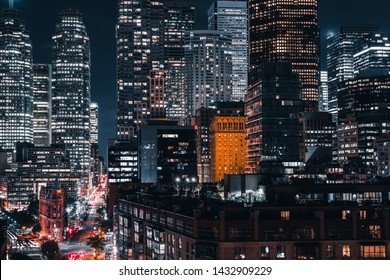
(52, 211)
(294, 222)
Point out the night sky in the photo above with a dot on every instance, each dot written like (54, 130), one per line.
(100, 18)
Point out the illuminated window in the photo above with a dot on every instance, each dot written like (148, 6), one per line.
(346, 251)
(285, 215)
(346, 214)
(280, 252)
(264, 252)
(373, 251)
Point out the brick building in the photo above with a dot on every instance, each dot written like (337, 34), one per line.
(295, 222)
(52, 211)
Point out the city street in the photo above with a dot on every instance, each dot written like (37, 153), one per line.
(78, 241)
(74, 248)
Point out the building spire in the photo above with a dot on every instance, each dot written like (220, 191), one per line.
(11, 4)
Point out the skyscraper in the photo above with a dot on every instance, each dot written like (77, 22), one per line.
(138, 36)
(232, 17)
(16, 94)
(157, 95)
(94, 139)
(372, 52)
(94, 122)
(274, 133)
(42, 104)
(178, 18)
(323, 98)
(287, 30)
(340, 62)
(71, 89)
(167, 153)
(208, 69)
(365, 93)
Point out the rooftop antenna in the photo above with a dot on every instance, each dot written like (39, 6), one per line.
(11, 4)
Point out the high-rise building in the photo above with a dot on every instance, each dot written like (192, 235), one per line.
(232, 17)
(157, 95)
(367, 92)
(275, 143)
(318, 131)
(122, 161)
(94, 139)
(16, 94)
(372, 52)
(347, 139)
(358, 134)
(208, 69)
(42, 104)
(71, 88)
(36, 167)
(138, 36)
(323, 98)
(382, 155)
(178, 18)
(203, 122)
(287, 30)
(340, 62)
(371, 126)
(94, 122)
(167, 153)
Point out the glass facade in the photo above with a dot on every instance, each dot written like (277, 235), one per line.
(363, 94)
(340, 60)
(138, 35)
(323, 99)
(208, 69)
(167, 153)
(94, 122)
(287, 30)
(122, 161)
(16, 78)
(372, 52)
(178, 18)
(274, 133)
(42, 104)
(71, 89)
(232, 17)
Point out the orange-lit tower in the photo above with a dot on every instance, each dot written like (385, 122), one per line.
(227, 146)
